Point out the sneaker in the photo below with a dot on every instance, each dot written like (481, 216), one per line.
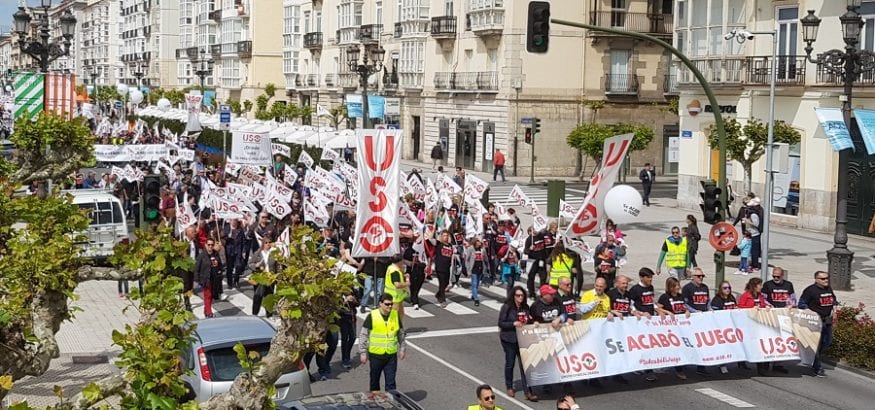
(738, 272)
(347, 366)
(724, 370)
(681, 375)
(363, 309)
(416, 306)
(476, 303)
(820, 373)
(223, 297)
(443, 305)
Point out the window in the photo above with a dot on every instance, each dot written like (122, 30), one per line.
(788, 35)
(306, 22)
(620, 80)
(318, 21)
(448, 7)
(378, 15)
(786, 189)
(867, 40)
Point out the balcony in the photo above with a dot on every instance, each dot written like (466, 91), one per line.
(192, 53)
(346, 35)
(370, 33)
(181, 53)
(330, 80)
(487, 21)
(348, 80)
(473, 81)
(216, 15)
(717, 71)
(216, 50)
(313, 41)
(244, 49)
(826, 78)
(300, 80)
(443, 27)
(791, 70)
(312, 80)
(661, 24)
(621, 84)
(399, 30)
(670, 85)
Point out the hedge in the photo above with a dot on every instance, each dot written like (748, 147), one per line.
(853, 337)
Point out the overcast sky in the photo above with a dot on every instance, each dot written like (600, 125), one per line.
(8, 8)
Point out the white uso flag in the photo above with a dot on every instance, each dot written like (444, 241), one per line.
(378, 158)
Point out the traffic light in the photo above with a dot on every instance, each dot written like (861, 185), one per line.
(536, 126)
(528, 135)
(538, 29)
(710, 202)
(151, 198)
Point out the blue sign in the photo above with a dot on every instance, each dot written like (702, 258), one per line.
(225, 117)
(118, 104)
(526, 120)
(686, 134)
(376, 106)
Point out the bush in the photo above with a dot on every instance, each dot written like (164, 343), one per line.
(853, 337)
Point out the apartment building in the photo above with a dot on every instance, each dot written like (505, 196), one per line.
(197, 31)
(99, 37)
(459, 71)
(740, 73)
(149, 32)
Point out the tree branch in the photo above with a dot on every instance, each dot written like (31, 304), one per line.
(107, 387)
(89, 272)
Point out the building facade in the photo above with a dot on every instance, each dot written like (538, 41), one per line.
(149, 32)
(100, 42)
(461, 77)
(804, 195)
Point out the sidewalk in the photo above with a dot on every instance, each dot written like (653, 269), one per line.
(799, 252)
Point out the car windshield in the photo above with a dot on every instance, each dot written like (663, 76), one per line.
(223, 362)
(106, 213)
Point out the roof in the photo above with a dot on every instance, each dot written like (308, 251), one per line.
(233, 329)
(90, 195)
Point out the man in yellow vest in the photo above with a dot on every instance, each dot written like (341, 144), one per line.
(381, 341)
(486, 398)
(396, 284)
(674, 252)
(595, 303)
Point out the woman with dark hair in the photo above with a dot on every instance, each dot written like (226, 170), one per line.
(753, 297)
(514, 314)
(672, 303)
(693, 238)
(725, 300)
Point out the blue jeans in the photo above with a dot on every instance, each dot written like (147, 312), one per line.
(324, 361)
(511, 354)
(386, 365)
(825, 343)
(475, 285)
(369, 288)
(742, 266)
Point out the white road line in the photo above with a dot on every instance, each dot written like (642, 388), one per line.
(410, 312)
(452, 307)
(732, 401)
(197, 307)
(240, 300)
(490, 303)
(454, 332)
(467, 375)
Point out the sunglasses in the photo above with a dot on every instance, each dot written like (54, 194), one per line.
(727, 288)
(388, 303)
(210, 244)
(826, 278)
(776, 277)
(519, 295)
(675, 232)
(699, 276)
(489, 398)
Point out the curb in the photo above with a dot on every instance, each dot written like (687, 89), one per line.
(856, 370)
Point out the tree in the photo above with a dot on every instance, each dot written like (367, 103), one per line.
(306, 112)
(746, 143)
(270, 90)
(590, 138)
(51, 147)
(339, 115)
(247, 106)
(235, 106)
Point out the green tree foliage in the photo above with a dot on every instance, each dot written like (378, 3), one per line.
(590, 138)
(261, 102)
(247, 106)
(339, 115)
(746, 143)
(235, 106)
(270, 90)
(51, 147)
(105, 94)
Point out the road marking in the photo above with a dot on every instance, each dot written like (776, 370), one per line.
(490, 303)
(452, 307)
(454, 332)
(197, 307)
(240, 300)
(467, 375)
(732, 401)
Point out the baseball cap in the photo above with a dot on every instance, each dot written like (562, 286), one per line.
(547, 290)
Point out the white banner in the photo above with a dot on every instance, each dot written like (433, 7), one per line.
(194, 109)
(519, 197)
(251, 148)
(281, 149)
(276, 206)
(379, 158)
(329, 154)
(315, 214)
(566, 210)
(232, 168)
(128, 153)
(225, 209)
(306, 159)
(474, 187)
(590, 349)
(587, 218)
(539, 221)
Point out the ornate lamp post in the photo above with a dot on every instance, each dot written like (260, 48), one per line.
(40, 49)
(203, 67)
(140, 73)
(95, 74)
(847, 65)
(372, 62)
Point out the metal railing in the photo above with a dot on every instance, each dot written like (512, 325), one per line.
(348, 80)
(791, 70)
(370, 32)
(670, 85)
(716, 70)
(313, 40)
(471, 81)
(312, 80)
(443, 26)
(621, 84)
(640, 22)
(330, 80)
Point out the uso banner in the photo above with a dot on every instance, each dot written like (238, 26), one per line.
(596, 348)
(378, 156)
(251, 148)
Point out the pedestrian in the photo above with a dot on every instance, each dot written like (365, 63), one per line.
(510, 265)
(485, 398)
(744, 254)
(498, 165)
(696, 298)
(535, 266)
(725, 300)
(820, 298)
(415, 257)
(514, 315)
(437, 155)
(754, 225)
(647, 176)
(443, 261)
(621, 297)
(753, 297)
(605, 260)
(643, 303)
(262, 261)
(674, 252)
(381, 341)
(567, 299)
(397, 284)
(208, 268)
(346, 322)
(475, 256)
(560, 264)
(672, 303)
(693, 237)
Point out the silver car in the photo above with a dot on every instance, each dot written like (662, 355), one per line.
(214, 365)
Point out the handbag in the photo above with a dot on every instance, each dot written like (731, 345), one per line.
(735, 251)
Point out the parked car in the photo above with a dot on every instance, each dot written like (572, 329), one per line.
(108, 226)
(214, 365)
(393, 400)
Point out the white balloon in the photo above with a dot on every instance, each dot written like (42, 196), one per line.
(163, 104)
(136, 96)
(623, 204)
(121, 88)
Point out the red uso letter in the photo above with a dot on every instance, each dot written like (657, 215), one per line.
(369, 153)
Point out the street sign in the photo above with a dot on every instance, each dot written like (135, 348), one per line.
(225, 116)
(686, 134)
(526, 120)
(118, 104)
(225, 108)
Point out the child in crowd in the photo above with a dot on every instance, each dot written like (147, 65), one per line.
(744, 247)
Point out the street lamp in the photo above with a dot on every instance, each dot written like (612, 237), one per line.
(741, 36)
(372, 62)
(203, 67)
(40, 49)
(140, 73)
(847, 65)
(95, 74)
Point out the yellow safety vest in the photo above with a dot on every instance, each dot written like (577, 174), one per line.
(676, 257)
(477, 407)
(602, 308)
(383, 338)
(398, 295)
(561, 268)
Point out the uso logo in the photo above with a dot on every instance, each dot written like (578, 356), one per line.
(377, 233)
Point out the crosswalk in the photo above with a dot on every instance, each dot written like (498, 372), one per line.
(499, 192)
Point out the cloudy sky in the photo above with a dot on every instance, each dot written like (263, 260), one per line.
(8, 8)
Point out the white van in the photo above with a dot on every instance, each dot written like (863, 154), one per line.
(108, 225)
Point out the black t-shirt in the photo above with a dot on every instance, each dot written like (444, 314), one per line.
(545, 313)
(673, 304)
(696, 296)
(643, 298)
(443, 257)
(620, 302)
(820, 300)
(411, 255)
(549, 241)
(718, 303)
(569, 305)
(778, 295)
